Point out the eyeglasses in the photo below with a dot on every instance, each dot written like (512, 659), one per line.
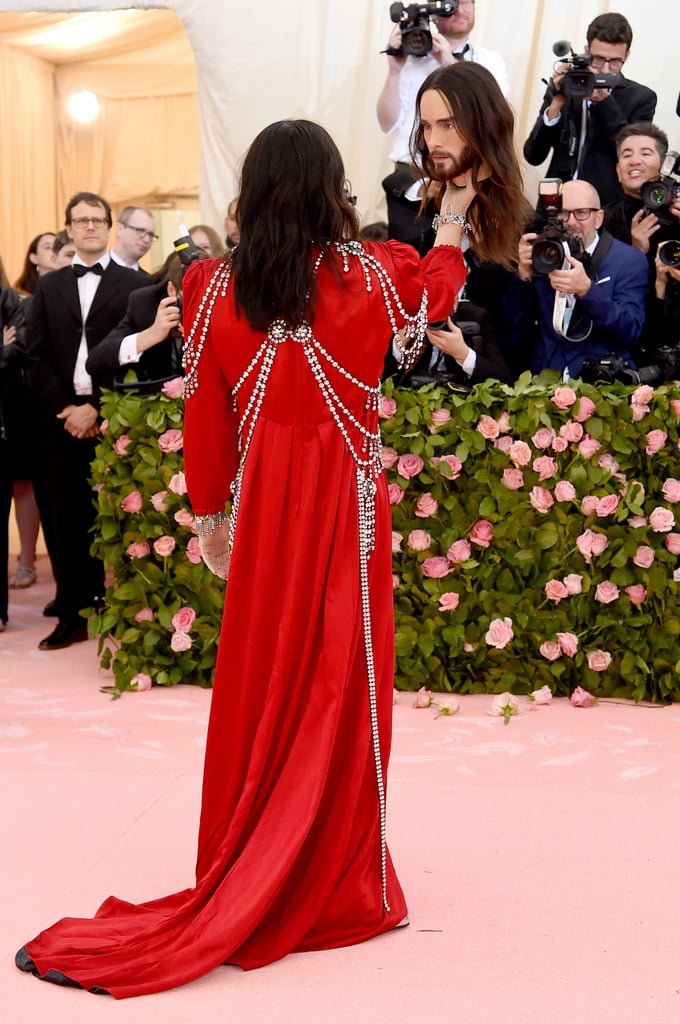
(82, 222)
(142, 232)
(615, 64)
(581, 214)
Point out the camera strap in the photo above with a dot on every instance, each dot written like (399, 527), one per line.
(563, 305)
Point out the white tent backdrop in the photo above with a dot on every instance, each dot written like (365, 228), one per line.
(257, 62)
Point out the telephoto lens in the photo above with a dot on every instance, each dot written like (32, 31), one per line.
(669, 253)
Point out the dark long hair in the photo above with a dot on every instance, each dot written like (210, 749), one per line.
(485, 120)
(28, 278)
(290, 205)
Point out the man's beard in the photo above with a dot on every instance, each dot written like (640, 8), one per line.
(458, 166)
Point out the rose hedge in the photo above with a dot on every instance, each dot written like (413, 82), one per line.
(534, 536)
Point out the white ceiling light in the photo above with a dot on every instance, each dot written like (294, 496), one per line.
(83, 106)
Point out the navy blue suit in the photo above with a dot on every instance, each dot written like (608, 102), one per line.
(613, 309)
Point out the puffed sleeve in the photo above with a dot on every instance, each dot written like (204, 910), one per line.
(441, 272)
(210, 420)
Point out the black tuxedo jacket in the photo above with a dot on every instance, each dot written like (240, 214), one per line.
(161, 361)
(627, 103)
(55, 326)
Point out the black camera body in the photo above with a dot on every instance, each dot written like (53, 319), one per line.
(613, 367)
(414, 21)
(548, 249)
(659, 194)
(579, 81)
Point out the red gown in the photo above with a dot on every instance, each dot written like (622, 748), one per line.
(291, 854)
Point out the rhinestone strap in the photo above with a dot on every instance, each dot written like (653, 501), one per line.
(205, 525)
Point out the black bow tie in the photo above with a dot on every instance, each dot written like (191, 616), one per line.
(79, 269)
(460, 54)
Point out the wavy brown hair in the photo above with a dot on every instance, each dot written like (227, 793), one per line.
(485, 120)
(291, 204)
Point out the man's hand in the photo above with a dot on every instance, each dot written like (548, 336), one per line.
(597, 95)
(394, 43)
(525, 268)
(441, 48)
(80, 420)
(9, 335)
(642, 227)
(675, 207)
(168, 319)
(573, 281)
(450, 341)
(559, 99)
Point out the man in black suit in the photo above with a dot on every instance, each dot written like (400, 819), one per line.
(581, 132)
(72, 310)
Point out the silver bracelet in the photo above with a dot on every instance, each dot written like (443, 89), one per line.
(450, 218)
(205, 525)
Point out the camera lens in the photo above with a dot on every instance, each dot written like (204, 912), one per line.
(546, 256)
(669, 253)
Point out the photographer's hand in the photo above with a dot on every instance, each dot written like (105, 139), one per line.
(573, 281)
(661, 278)
(525, 268)
(441, 48)
(450, 341)
(642, 227)
(554, 109)
(168, 318)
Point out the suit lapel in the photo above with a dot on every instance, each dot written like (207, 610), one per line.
(108, 288)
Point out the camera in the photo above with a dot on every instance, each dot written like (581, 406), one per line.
(186, 249)
(549, 248)
(613, 367)
(669, 253)
(414, 21)
(658, 195)
(579, 81)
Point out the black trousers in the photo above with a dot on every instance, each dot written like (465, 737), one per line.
(6, 486)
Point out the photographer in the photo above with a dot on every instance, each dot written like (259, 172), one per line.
(664, 313)
(579, 132)
(592, 306)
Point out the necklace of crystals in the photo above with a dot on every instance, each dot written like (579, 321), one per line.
(363, 443)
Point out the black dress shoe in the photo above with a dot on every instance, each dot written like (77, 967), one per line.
(50, 609)
(64, 635)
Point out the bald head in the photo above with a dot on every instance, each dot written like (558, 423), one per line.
(577, 194)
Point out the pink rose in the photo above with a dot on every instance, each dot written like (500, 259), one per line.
(513, 479)
(447, 706)
(132, 502)
(488, 428)
(503, 422)
(423, 698)
(194, 550)
(598, 661)
(675, 406)
(104, 427)
(637, 593)
(656, 439)
(543, 438)
(142, 681)
(555, 590)
(574, 583)
(639, 412)
(568, 643)
(468, 648)
(436, 568)
(580, 698)
(541, 499)
(590, 543)
(122, 443)
(542, 696)
(589, 504)
(459, 551)
(180, 642)
(606, 592)
(395, 581)
(671, 490)
(586, 408)
(504, 705)
(571, 431)
(499, 633)
(390, 456)
(396, 542)
(409, 465)
(662, 520)
(396, 493)
(144, 615)
(164, 546)
(564, 491)
(550, 650)
(387, 408)
(184, 517)
(672, 542)
(520, 453)
(171, 441)
(589, 447)
(642, 395)
(139, 549)
(419, 540)
(644, 556)
(439, 417)
(426, 506)
(637, 522)
(607, 506)
(676, 575)
(178, 484)
(560, 444)
(545, 466)
(449, 602)
(564, 398)
(158, 501)
(174, 388)
(481, 533)
(453, 462)
(183, 619)
(504, 444)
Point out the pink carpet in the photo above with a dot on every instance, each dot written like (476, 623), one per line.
(540, 859)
